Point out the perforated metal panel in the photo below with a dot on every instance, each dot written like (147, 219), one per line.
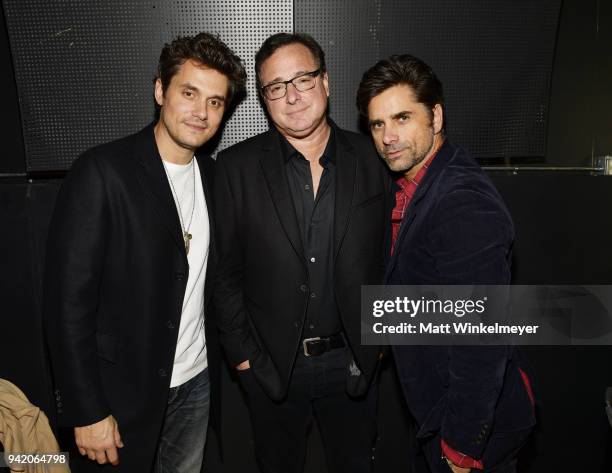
(85, 69)
(243, 25)
(494, 58)
(346, 30)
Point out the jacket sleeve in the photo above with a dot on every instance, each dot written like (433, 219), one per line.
(231, 314)
(74, 264)
(472, 243)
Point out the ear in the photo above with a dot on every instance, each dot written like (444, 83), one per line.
(438, 118)
(159, 93)
(325, 81)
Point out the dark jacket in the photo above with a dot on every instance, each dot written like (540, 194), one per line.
(262, 287)
(457, 231)
(116, 272)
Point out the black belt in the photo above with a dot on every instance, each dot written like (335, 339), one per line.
(316, 346)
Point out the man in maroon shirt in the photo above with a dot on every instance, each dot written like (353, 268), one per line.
(473, 404)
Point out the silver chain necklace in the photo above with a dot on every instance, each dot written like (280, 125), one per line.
(186, 235)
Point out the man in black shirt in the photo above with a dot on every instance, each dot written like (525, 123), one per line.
(301, 228)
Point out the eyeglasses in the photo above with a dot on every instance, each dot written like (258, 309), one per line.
(302, 83)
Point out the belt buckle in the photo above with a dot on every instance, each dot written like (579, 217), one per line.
(305, 344)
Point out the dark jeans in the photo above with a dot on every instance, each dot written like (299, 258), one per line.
(317, 391)
(499, 456)
(181, 444)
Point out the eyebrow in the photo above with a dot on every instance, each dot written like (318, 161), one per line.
(280, 79)
(400, 114)
(218, 97)
(189, 86)
(395, 116)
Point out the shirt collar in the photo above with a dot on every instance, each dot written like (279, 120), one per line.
(329, 154)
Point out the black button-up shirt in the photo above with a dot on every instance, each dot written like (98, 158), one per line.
(315, 217)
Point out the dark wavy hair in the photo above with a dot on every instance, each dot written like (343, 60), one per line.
(278, 40)
(208, 50)
(396, 70)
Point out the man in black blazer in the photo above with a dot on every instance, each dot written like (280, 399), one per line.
(473, 404)
(130, 267)
(300, 212)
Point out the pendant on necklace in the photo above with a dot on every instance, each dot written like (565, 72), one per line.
(186, 238)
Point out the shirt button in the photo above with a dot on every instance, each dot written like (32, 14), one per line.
(312, 295)
(311, 326)
(170, 324)
(307, 187)
(298, 323)
(303, 288)
(313, 259)
(162, 373)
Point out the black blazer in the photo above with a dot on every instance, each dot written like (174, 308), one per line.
(456, 231)
(262, 275)
(115, 277)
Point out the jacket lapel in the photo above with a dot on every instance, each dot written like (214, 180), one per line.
(346, 163)
(207, 174)
(273, 168)
(155, 181)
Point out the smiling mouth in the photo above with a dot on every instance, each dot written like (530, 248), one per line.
(296, 112)
(197, 127)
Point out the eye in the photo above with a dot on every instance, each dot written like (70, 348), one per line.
(304, 79)
(188, 93)
(215, 103)
(274, 88)
(403, 118)
(376, 125)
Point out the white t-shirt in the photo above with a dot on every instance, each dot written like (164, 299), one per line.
(190, 356)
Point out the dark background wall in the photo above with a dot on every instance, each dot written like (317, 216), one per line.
(493, 57)
(563, 235)
(580, 124)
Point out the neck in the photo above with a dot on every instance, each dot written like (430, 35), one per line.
(168, 149)
(312, 146)
(435, 146)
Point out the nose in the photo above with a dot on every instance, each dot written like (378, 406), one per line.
(292, 94)
(389, 135)
(201, 110)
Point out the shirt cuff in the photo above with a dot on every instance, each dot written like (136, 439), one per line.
(459, 459)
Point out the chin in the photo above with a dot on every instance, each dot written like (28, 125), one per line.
(399, 169)
(192, 144)
(300, 126)
(198, 139)
(298, 132)
(301, 131)
(397, 164)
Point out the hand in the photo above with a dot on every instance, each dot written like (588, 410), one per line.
(245, 365)
(457, 469)
(100, 441)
